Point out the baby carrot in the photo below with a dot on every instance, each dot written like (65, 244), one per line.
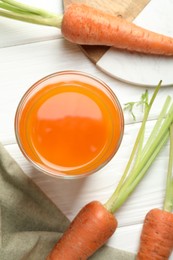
(85, 25)
(90, 229)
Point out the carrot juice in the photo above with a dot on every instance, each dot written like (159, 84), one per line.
(69, 124)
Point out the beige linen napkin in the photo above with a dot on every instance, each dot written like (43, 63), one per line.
(30, 224)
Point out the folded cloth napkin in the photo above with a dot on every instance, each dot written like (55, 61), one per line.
(30, 224)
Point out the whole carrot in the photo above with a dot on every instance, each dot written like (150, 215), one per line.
(83, 24)
(90, 229)
(86, 25)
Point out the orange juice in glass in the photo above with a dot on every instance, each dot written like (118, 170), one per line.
(69, 124)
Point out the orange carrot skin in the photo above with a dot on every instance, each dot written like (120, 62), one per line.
(90, 229)
(157, 236)
(86, 25)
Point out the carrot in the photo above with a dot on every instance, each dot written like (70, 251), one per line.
(85, 25)
(90, 229)
(82, 24)
(156, 240)
(157, 236)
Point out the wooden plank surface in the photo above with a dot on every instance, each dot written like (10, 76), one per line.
(125, 8)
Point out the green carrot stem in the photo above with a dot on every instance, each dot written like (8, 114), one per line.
(145, 159)
(158, 124)
(128, 188)
(31, 18)
(144, 100)
(168, 202)
(139, 151)
(147, 107)
(154, 137)
(154, 143)
(133, 153)
(28, 8)
(138, 140)
(9, 7)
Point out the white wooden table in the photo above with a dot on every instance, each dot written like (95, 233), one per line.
(30, 52)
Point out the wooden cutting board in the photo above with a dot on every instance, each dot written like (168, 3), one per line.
(129, 9)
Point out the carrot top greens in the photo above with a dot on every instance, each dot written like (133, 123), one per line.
(143, 154)
(168, 203)
(26, 13)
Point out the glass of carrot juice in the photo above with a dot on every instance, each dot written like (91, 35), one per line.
(69, 124)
